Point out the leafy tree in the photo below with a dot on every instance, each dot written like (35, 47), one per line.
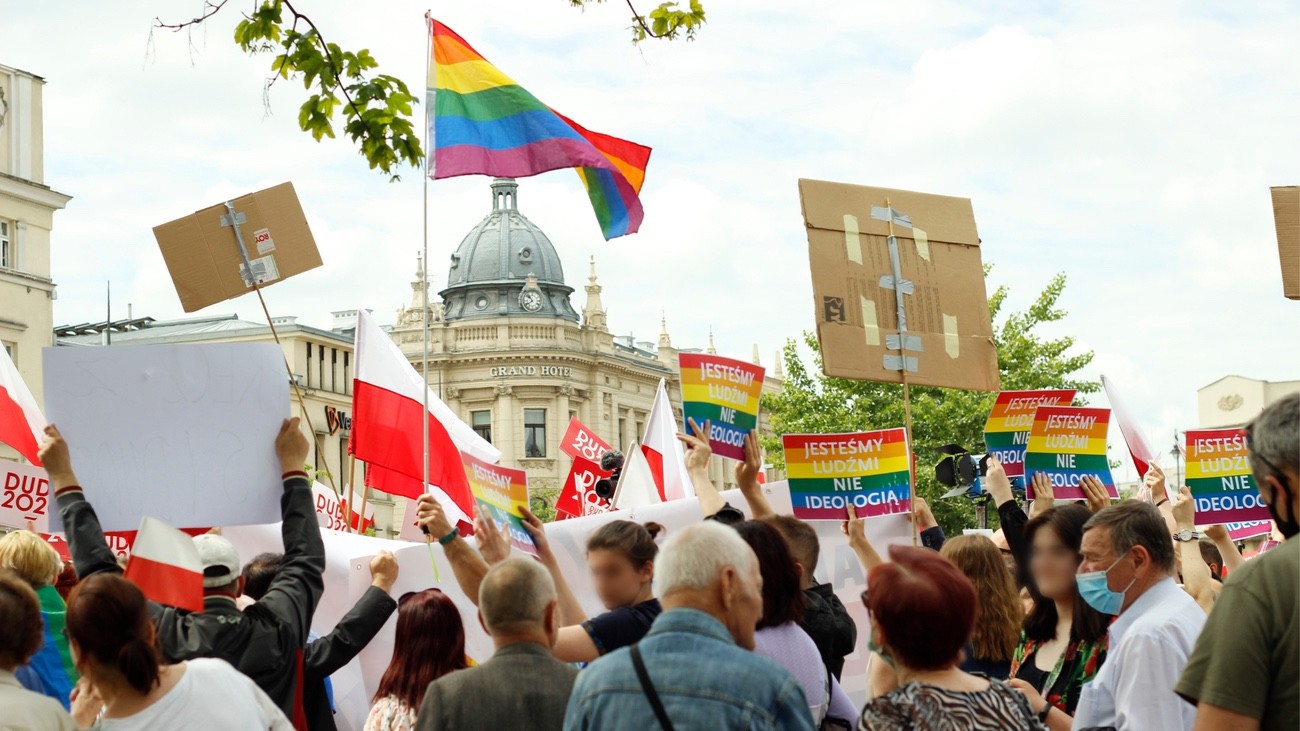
(374, 109)
(815, 403)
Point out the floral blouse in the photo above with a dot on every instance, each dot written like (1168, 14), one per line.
(1075, 668)
(390, 714)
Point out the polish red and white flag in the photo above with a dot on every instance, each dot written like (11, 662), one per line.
(663, 451)
(165, 565)
(388, 419)
(21, 421)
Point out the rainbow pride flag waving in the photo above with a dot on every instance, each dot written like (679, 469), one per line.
(483, 123)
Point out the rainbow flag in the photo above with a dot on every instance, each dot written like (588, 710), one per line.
(482, 123)
(872, 471)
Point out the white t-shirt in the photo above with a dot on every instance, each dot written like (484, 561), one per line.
(210, 696)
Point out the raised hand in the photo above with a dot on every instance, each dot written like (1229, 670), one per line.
(383, 571)
(997, 482)
(1184, 509)
(1044, 493)
(698, 450)
(924, 517)
(291, 446)
(747, 472)
(1154, 480)
(430, 516)
(493, 544)
(56, 458)
(1094, 492)
(536, 529)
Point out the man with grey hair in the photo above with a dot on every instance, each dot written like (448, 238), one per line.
(523, 686)
(1128, 570)
(695, 668)
(1245, 670)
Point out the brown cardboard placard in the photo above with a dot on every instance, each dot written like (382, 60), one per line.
(203, 256)
(856, 314)
(1286, 215)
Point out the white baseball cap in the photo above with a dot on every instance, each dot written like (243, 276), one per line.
(220, 560)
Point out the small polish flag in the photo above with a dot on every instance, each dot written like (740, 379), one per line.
(1138, 447)
(663, 451)
(165, 565)
(21, 421)
(636, 485)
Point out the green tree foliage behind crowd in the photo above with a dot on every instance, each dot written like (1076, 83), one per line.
(815, 403)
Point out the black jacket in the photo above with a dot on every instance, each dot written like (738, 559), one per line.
(829, 625)
(266, 640)
(326, 655)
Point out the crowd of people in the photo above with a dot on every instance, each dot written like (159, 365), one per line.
(1090, 615)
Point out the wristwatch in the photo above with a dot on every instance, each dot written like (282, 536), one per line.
(1187, 535)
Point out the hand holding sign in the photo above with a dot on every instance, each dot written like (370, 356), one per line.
(1094, 492)
(537, 532)
(56, 457)
(1154, 480)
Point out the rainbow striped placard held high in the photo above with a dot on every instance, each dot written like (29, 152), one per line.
(724, 392)
(1067, 443)
(1220, 478)
(1007, 431)
(499, 493)
(872, 471)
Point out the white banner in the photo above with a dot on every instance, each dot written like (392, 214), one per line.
(25, 496)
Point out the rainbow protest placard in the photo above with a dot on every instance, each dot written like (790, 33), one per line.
(1067, 443)
(1218, 473)
(872, 471)
(500, 492)
(1251, 529)
(725, 393)
(1007, 431)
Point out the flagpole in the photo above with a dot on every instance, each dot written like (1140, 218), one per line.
(352, 473)
(907, 397)
(424, 268)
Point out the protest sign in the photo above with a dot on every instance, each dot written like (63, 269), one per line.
(1219, 476)
(724, 392)
(1067, 443)
(580, 442)
(1251, 529)
(932, 269)
(25, 496)
(332, 512)
(185, 433)
(578, 496)
(203, 255)
(500, 492)
(1006, 433)
(869, 470)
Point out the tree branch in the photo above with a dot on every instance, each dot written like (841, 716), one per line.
(209, 9)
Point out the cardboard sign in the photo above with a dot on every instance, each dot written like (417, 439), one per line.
(1242, 531)
(332, 513)
(934, 270)
(580, 442)
(500, 492)
(578, 497)
(25, 496)
(185, 433)
(1067, 443)
(723, 392)
(203, 255)
(1219, 475)
(1286, 216)
(869, 470)
(1006, 434)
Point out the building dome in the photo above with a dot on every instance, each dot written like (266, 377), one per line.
(506, 266)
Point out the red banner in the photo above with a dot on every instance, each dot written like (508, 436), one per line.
(580, 442)
(579, 498)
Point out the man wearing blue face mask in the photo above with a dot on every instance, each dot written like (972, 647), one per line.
(1128, 570)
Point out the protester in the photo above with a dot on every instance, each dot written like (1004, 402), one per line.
(264, 641)
(1063, 643)
(695, 668)
(126, 685)
(429, 643)
(1245, 670)
(825, 619)
(779, 636)
(1127, 569)
(20, 616)
(1195, 573)
(997, 623)
(620, 556)
(522, 687)
(50, 670)
(326, 655)
(923, 611)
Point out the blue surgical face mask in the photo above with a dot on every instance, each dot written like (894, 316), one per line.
(1097, 593)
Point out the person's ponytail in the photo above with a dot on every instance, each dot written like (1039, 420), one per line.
(138, 662)
(108, 619)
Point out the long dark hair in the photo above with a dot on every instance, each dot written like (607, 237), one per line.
(430, 643)
(108, 618)
(1089, 625)
(783, 600)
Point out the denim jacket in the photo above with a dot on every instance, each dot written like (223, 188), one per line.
(704, 680)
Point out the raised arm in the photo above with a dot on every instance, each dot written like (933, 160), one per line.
(569, 611)
(1155, 482)
(466, 563)
(856, 529)
(90, 553)
(297, 586)
(747, 479)
(698, 453)
(359, 626)
(1196, 574)
(1011, 516)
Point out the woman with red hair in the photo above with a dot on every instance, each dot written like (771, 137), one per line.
(429, 644)
(923, 611)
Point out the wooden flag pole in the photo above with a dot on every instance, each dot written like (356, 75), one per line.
(352, 473)
(907, 394)
(365, 495)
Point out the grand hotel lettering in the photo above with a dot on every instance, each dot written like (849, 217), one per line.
(531, 370)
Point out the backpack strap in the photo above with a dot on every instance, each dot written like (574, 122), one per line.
(651, 695)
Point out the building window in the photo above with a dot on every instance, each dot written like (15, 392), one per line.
(482, 423)
(320, 366)
(534, 432)
(347, 376)
(11, 349)
(334, 359)
(6, 245)
(622, 434)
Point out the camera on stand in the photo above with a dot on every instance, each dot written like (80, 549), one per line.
(611, 462)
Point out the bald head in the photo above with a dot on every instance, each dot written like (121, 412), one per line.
(514, 597)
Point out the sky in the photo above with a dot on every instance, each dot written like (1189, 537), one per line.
(1129, 145)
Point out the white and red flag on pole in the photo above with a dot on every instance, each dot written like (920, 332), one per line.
(1138, 448)
(663, 451)
(21, 421)
(387, 409)
(165, 565)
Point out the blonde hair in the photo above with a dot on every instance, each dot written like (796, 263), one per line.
(997, 626)
(29, 556)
